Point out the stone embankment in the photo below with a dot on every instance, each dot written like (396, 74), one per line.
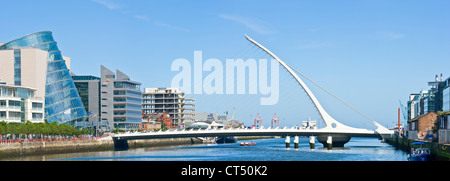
(30, 148)
(439, 152)
(72, 146)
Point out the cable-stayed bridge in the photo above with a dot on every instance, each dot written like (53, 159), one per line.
(334, 133)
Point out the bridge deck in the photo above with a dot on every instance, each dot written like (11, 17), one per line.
(246, 132)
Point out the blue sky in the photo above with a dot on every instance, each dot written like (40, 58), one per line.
(368, 53)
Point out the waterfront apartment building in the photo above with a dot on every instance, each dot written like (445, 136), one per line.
(121, 100)
(34, 61)
(430, 107)
(434, 99)
(170, 100)
(413, 99)
(18, 104)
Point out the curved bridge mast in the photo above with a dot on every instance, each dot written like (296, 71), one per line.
(330, 122)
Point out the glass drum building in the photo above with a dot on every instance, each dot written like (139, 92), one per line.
(62, 102)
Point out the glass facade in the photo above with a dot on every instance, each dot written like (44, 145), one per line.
(127, 104)
(62, 102)
(446, 99)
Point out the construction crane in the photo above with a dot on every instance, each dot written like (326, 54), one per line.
(275, 119)
(403, 110)
(258, 119)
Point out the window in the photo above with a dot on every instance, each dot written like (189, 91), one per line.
(2, 115)
(22, 93)
(14, 115)
(2, 103)
(37, 116)
(14, 104)
(17, 67)
(36, 105)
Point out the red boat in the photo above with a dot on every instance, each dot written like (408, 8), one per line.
(248, 143)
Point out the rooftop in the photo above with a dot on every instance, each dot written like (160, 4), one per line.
(170, 90)
(16, 86)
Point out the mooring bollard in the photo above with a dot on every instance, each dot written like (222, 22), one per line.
(296, 142)
(330, 142)
(312, 142)
(288, 141)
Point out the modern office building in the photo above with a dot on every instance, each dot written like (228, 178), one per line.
(35, 61)
(121, 100)
(18, 104)
(88, 87)
(170, 100)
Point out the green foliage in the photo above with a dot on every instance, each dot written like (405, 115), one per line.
(163, 126)
(46, 129)
(442, 113)
(117, 130)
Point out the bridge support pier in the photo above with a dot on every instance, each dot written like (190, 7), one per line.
(120, 144)
(288, 141)
(296, 142)
(330, 142)
(312, 142)
(333, 140)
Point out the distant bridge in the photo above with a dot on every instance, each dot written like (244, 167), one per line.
(334, 134)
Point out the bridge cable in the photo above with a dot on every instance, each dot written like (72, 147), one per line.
(375, 123)
(340, 100)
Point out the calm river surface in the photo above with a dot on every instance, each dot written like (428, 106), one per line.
(358, 149)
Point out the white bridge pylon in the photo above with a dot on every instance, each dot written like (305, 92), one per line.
(334, 131)
(330, 122)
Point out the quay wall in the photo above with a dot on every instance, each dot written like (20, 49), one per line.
(54, 147)
(440, 152)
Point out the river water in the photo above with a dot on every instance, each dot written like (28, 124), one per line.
(358, 149)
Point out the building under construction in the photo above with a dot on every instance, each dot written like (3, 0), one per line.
(170, 100)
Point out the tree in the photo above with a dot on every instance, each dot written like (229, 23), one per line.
(44, 130)
(3, 129)
(163, 126)
(117, 130)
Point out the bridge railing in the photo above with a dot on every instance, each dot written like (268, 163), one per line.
(219, 129)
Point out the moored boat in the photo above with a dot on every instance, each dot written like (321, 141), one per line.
(419, 154)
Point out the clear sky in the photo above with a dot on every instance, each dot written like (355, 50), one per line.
(370, 54)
